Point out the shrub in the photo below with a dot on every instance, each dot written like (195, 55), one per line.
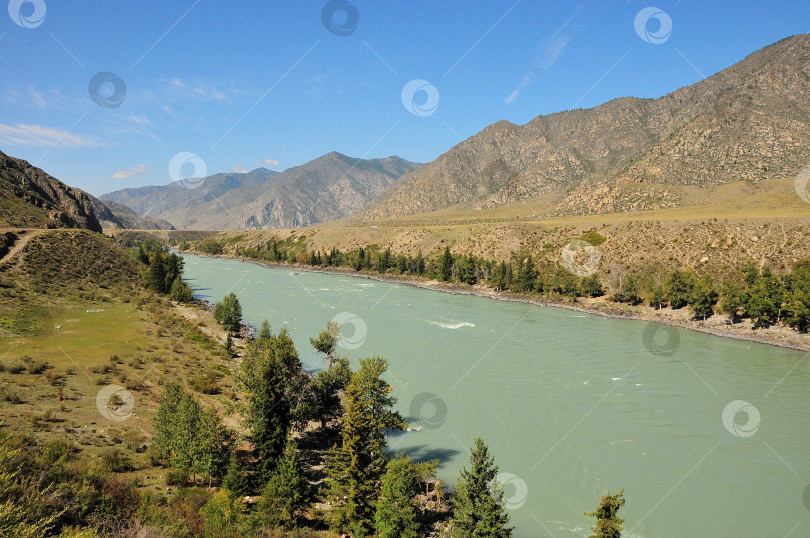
(207, 384)
(177, 477)
(594, 238)
(16, 368)
(115, 461)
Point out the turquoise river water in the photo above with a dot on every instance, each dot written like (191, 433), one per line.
(708, 436)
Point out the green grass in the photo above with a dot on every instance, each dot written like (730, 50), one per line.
(74, 318)
(594, 238)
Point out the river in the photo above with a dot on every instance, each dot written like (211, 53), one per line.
(708, 436)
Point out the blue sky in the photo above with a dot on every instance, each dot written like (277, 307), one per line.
(263, 83)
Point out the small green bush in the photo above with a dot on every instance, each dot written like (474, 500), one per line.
(177, 477)
(594, 238)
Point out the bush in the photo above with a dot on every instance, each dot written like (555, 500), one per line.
(38, 367)
(177, 477)
(16, 368)
(9, 396)
(207, 384)
(594, 238)
(115, 461)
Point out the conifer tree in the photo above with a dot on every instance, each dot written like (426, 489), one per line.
(237, 479)
(157, 273)
(445, 265)
(267, 413)
(398, 507)
(608, 524)
(478, 509)
(286, 494)
(356, 463)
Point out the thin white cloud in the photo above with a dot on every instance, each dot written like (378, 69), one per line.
(32, 97)
(36, 135)
(550, 51)
(266, 162)
(139, 170)
(238, 169)
(198, 89)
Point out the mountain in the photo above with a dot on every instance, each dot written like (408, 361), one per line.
(748, 123)
(31, 198)
(114, 216)
(330, 187)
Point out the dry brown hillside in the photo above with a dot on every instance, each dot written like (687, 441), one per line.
(749, 123)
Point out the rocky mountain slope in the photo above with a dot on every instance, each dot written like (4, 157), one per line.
(747, 123)
(115, 216)
(330, 187)
(29, 197)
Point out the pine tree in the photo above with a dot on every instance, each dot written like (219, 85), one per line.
(268, 413)
(445, 265)
(327, 341)
(608, 524)
(327, 386)
(526, 276)
(657, 296)
(498, 279)
(286, 494)
(213, 446)
(229, 345)
(478, 509)
(628, 291)
(157, 273)
(237, 479)
(265, 332)
(180, 291)
(703, 298)
(356, 463)
(398, 507)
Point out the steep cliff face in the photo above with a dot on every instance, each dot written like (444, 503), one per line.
(750, 122)
(29, 197)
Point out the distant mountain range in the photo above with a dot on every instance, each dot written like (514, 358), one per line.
(746, 125)
(750, 123)
(331, 187)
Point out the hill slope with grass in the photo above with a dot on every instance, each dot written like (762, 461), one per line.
(748, 123)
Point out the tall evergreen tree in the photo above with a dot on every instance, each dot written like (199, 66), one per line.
(265, 332)
(608, 524)
(157, 273)
(213, 446)
(237, 477)
(180, 291)
(445, 265)
(526, 277)
(398, 507)
(356, 463)
(286, 494)
(478, 510)
(268, 412)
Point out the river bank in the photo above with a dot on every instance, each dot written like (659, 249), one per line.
(717, 325)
